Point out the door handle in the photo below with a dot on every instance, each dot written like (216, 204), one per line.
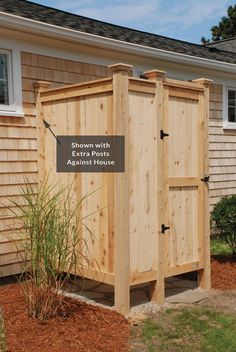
(163, 134)
(164, 228)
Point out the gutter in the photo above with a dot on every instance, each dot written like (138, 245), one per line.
(56, 32)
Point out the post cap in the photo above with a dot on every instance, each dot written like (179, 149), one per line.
(154, 74)
(204, 81)
(120, 67)
(41, 85)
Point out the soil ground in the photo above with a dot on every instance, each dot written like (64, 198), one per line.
(223, 276)
(223, 272)
(91, 328)
(221, 301)
(87, 329)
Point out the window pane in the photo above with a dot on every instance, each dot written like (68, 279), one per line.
(231, 114)
(231, 97)
(231, 105)
(4, 95)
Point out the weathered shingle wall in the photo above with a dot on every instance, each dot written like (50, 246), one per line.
(222, 150)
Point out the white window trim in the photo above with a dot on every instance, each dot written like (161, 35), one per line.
(226, 124)
(15, 87)
(10, 106)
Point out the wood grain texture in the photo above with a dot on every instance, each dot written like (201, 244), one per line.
(160, 186)
(20, 138)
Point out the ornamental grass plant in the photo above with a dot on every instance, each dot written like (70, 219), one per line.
(53, 246)
(2, 334)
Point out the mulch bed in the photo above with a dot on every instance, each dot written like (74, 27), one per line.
(87, 329)
(223, 272)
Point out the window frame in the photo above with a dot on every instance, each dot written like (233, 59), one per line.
(14, 108)
(226, 123)
(9, 106)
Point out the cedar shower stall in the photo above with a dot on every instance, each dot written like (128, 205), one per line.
(151, 221)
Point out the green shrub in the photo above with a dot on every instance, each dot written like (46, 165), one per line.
(52, 244)
(223, 219)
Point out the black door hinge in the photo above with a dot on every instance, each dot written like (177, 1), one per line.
(163, 134)
(164, 228)
(205, 178)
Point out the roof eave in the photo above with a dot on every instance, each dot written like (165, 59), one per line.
(61, 33)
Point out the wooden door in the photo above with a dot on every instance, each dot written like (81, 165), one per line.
(184, 167)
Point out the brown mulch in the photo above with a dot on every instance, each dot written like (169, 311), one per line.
(87, 329)
(223, 272)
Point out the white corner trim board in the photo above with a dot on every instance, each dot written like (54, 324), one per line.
(49, 30)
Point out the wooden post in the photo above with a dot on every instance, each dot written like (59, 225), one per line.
(204, 275)
(41, 130)
(120, 74)
(158, 286)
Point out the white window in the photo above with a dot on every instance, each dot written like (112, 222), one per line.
(5, 81)
(231, 99)
(10, 84)
(230, 108)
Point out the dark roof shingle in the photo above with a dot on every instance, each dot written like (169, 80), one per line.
(64, 19)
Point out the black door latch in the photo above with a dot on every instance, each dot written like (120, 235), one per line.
(205, 178)
(164, 228)
(163, 134)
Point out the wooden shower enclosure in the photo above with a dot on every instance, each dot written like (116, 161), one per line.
(151, 221)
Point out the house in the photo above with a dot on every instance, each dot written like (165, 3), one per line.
(226, 45)
(42, 43)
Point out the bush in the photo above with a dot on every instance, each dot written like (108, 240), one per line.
(223, 218)
(53, 246)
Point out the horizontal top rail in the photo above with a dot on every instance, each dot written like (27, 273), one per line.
(77, 90)
(141, 85)
(183, 84)
(105, 85)
(143, 80)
